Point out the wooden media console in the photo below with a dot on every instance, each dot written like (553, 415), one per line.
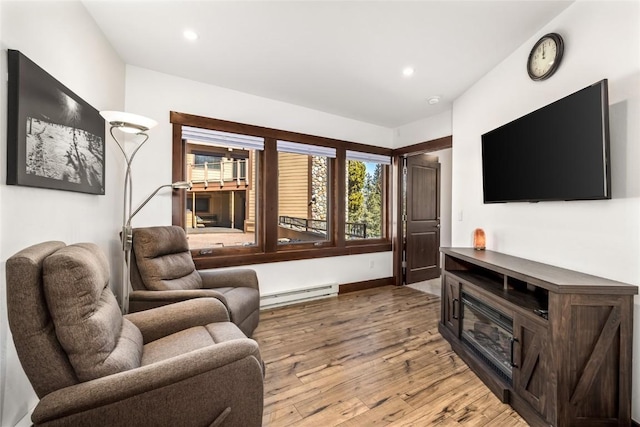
(553, 343)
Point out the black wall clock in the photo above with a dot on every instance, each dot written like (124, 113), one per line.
(545, 56)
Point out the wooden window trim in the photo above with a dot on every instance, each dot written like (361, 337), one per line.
(425, 147)
(267, 249)
(185, 119)
(230, 260)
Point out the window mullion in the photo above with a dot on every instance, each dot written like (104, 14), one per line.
(269, 195)
(338, 196)
(178, 199)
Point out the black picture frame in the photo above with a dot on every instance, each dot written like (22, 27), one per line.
(55, 139)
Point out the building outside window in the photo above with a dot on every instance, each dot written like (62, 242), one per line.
(221, 206)
(303, 192)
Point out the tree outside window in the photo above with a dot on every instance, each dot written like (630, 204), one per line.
(364, 200)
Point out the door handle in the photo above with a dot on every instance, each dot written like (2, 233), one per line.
(438, 225)
(453, 309)
(511, 362)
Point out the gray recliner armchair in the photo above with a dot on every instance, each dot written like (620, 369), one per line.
(181, 364)
(163, 272)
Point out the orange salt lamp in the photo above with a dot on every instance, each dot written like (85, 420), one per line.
(479, 240)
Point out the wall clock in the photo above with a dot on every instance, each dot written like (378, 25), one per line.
(545, 56)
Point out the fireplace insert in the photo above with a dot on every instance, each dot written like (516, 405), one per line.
(489, 333)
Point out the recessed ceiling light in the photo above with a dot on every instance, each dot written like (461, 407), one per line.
(433, 100)
(407, 72)
(190, 35)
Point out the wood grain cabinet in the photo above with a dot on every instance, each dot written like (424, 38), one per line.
(451, 305)
(554, 343)
(530, 370)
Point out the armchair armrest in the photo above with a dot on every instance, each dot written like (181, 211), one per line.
(145, 300)
(169, 319)
(198, 386)
(235, 278)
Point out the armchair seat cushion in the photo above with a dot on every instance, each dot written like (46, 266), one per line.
(189, 340)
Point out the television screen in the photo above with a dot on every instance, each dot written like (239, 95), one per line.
(559, 152)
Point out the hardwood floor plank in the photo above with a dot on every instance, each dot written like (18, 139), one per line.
(443, 407)
(419, 378)
(369, 358)
(283, 417)
(488, 406)
(383, 415)
(334, 413)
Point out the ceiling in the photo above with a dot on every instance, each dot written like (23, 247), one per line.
(340, 57)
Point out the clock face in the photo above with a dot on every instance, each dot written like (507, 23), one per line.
(545, 57)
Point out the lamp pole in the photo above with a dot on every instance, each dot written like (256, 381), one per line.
(126, 233)
(138, 125)
(127, 237)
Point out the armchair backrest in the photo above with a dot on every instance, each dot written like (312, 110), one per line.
(66, 323)
(42, 357)
(86, 315)
(161, 260)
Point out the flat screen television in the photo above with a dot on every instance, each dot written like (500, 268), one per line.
(558, 152)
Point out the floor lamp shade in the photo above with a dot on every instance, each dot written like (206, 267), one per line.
(127, 122)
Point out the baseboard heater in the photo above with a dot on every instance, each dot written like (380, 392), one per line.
(277, 299)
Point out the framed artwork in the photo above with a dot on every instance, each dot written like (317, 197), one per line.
(54, 138)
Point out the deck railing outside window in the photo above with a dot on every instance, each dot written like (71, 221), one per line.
(354, 230)
(219, 171)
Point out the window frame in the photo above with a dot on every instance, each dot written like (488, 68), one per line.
(385, 204)
(329, 242)
(267, 249)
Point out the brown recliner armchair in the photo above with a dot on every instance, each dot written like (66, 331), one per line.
(182, 364)
(163, 272)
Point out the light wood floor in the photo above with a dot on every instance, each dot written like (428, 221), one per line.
(369, 358)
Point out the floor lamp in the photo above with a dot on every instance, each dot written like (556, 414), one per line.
(137, 125)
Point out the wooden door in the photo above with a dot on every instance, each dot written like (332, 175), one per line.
(530, 380)
(422, 249)
(451, 304)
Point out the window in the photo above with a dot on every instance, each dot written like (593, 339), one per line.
(303, 192)
(221, 205)
(212, 161)
(202, 204)
(365, 195)
(266, 195)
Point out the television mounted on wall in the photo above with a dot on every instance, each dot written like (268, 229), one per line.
(558, 152)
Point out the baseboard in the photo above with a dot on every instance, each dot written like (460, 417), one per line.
(634, 423)
(365, 284)
(294, 296)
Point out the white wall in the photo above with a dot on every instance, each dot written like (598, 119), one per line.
(446, 170)
(154, 95)
(62, 38)
(426, 129)
(602, 40)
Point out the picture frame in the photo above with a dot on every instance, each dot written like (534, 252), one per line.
(55, 139)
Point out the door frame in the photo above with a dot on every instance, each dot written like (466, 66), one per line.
(410, 150)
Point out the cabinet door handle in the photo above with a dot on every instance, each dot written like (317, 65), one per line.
(513, 340)
(453, 309)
